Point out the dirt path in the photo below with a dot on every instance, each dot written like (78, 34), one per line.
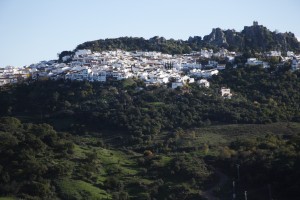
(209, 194)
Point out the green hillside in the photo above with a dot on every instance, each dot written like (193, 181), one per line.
(123, 140)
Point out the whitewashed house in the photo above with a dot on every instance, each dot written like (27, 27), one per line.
(203, 83)
(225, 93)
(290, 54)
(274, 54)
(295, 64)
(206, 53)
(187, 79)
(98, 76)
(209, 73)
(82, 52)
(255, 62)
(176, 85)
(196, 73)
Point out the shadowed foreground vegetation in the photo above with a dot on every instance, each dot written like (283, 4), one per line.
(37, 162)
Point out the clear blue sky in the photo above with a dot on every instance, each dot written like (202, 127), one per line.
(35, 30)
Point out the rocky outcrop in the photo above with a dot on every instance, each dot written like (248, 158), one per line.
(216, 37)
(224, 38)
(256, 37)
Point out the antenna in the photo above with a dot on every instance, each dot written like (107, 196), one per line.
(245, 195)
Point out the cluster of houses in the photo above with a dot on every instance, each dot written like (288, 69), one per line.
(10, 75)
(295, 59)
(152, 67)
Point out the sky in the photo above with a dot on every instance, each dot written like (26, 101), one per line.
(36, 30)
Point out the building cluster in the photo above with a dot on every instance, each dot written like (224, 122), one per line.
(152, 67)
(10, 74)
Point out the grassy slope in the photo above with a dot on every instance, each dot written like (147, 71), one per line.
(113, 163)
(78, 189)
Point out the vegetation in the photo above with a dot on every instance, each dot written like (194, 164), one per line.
(260, 96)
(122, 140)
(132, 44)
(40, 163)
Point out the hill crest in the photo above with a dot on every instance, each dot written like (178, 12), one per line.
(255, 38)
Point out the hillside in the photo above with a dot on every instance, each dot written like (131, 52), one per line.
(260, 96)
(255, 38)
(123, 140)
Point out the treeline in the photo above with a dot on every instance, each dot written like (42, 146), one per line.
(160, 44)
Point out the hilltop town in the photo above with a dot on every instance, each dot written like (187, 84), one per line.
(154, 68)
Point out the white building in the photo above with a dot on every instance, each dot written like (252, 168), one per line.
(209, 73)
(274, 53)
(187, 79)
(225, 93)
(255, 62)
(295, 64)
(82, 52)
(206, 53)
(290, 54)
(176, 85)
(203, 83)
